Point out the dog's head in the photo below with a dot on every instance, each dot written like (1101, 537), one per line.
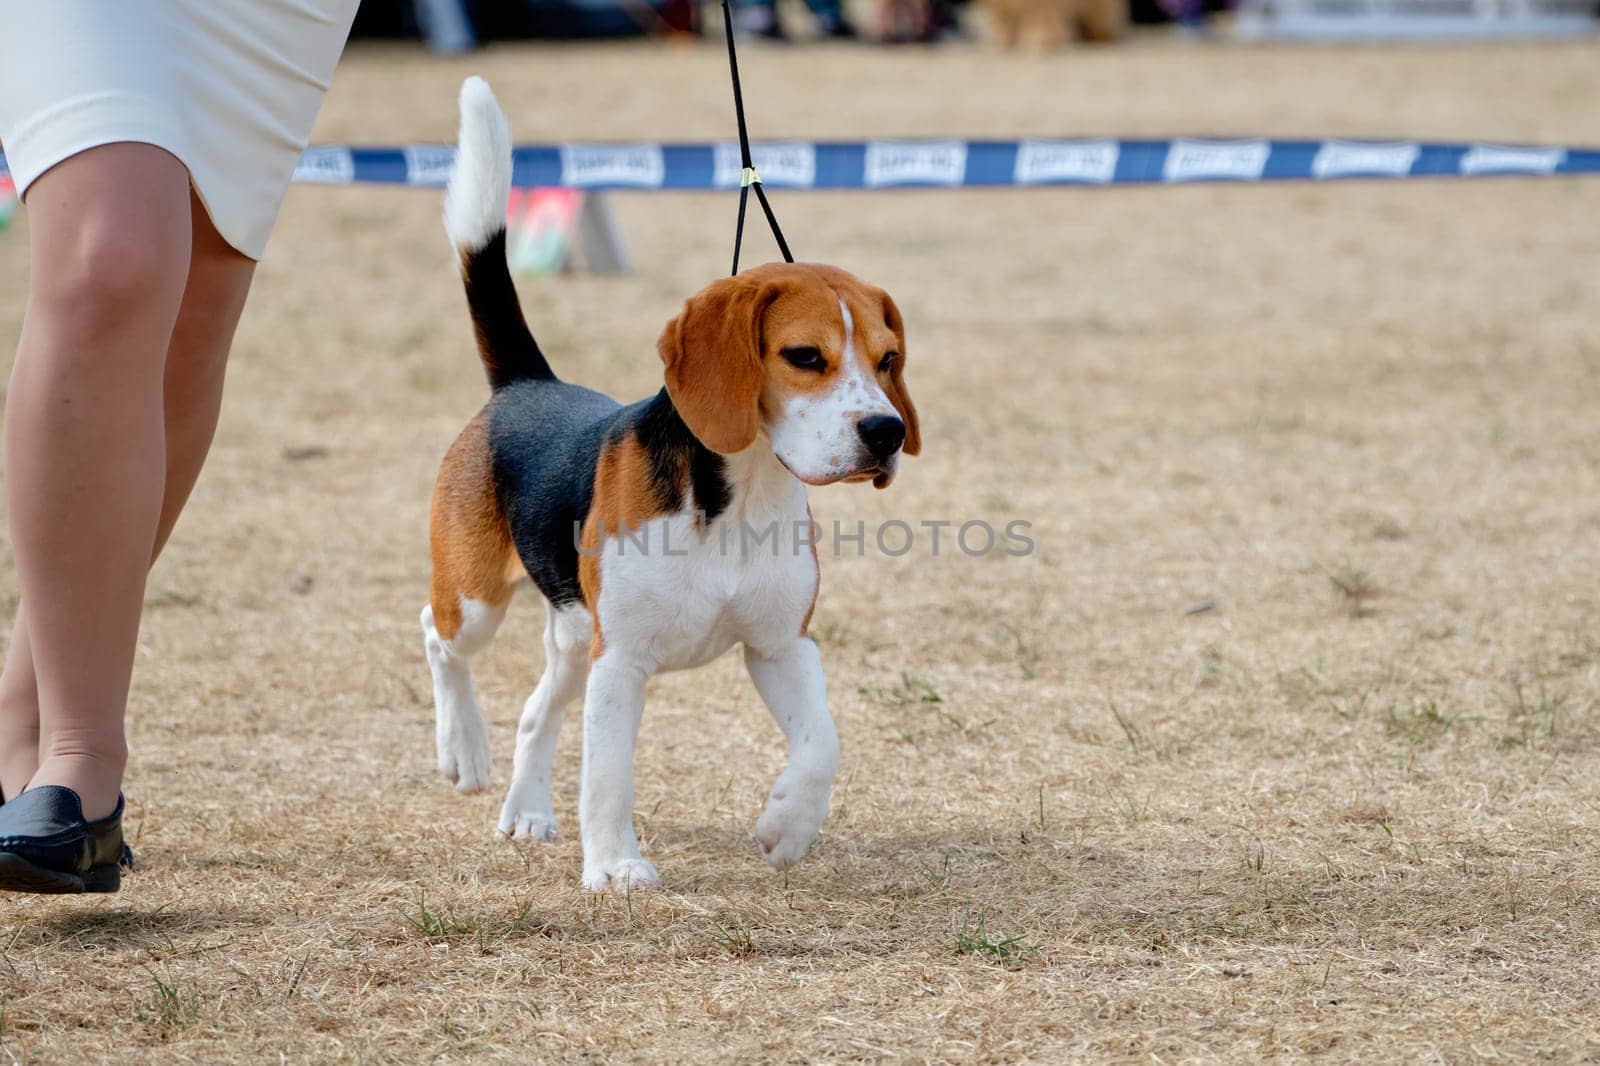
(809, 356)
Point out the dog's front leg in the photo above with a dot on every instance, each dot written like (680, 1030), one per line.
(613, 705)
(792, 686)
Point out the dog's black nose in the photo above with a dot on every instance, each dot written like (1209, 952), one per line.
(882, 434)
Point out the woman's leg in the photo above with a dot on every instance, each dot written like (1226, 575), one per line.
(19, 712)
(213, 299)
(197, 361)
(85, 443)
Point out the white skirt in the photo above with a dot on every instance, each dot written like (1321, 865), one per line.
(230, 87)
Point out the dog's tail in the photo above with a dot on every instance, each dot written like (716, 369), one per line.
(475, 218)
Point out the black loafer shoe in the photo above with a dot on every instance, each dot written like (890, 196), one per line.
(47, 846)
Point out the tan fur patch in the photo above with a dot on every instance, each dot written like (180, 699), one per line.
(896, 388)
(473, 556)
(712, 353)
(623, 501)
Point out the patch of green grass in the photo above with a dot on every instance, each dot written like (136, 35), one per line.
(1424, 722)
(722, 794)
(975, 938)
(1027, 656)
(1577, 657)
(297, 974)
(918, 692)
(1415, 852)
(1273, 888)
(938, 878)
(1354, 586)
(1133, 812)
(965, 726)
(456, 1037)
(910, 690)
(171, 1004)
(1351, 708)
(733, 936)
(1265, 422)
(1281, 897)
(830, 633)
(1129, 730)
(437, 925)
(1535, 718)
(172, 598)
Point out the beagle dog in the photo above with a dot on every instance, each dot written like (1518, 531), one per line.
(660, 533)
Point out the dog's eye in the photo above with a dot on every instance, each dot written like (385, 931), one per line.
(887, 362)
(804, 358)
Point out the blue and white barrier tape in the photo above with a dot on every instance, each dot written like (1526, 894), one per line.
(941, 163)
(880, 164)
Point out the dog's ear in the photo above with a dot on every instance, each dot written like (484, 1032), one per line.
(712, 353)
(897, 381)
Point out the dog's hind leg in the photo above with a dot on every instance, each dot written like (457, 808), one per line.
(528, 811)
(460, 732)
(475, 571)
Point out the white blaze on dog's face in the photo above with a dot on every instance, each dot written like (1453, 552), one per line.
(810, 356)
(824, 401)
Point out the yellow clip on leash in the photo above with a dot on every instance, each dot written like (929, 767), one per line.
(749, 177)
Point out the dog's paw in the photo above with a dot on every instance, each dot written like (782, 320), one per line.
(464, 759)
(526, 814)
(519, 824)
(620, 875)
(790, 824)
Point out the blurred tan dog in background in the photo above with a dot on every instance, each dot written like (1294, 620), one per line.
(1044, 24)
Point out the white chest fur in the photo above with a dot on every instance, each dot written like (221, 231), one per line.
(678, 592)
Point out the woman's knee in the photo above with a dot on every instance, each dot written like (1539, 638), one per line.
(116, 271)
(111, 232)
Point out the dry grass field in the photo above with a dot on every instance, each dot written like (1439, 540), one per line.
(1349, 812)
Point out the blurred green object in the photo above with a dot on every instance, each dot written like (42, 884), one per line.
(542, 224)
(8, 201)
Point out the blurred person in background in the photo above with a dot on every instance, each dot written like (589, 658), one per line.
(759, 19)
(919, 21)
(1189, 16)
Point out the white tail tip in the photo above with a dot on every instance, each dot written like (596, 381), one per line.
(480, 183)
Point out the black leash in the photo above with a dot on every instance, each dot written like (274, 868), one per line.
(749, 177)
